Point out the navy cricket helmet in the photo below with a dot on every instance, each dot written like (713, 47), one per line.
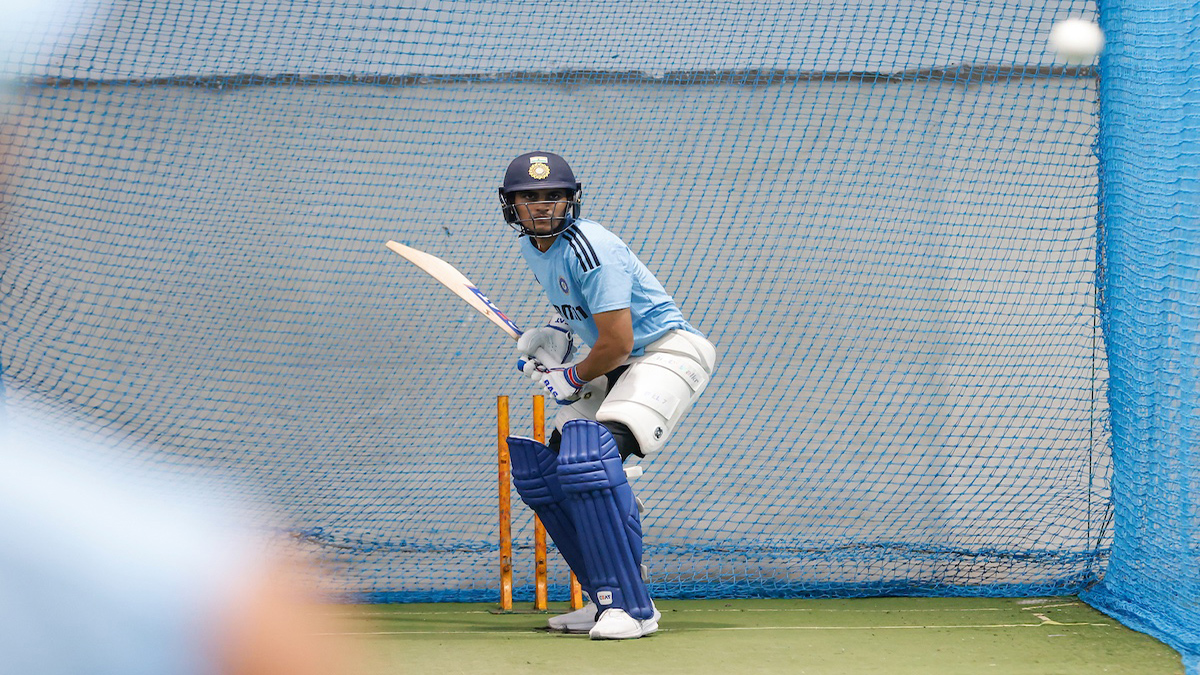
(539, 171)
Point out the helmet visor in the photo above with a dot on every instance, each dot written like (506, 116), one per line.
(544, 212)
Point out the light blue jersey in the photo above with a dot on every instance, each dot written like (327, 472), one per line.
(589, 270)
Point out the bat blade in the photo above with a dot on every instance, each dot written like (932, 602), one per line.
(456, 281)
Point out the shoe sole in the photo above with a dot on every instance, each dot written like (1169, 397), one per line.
(572, 629)
(630, 636)
(647, 627)
(571, 626)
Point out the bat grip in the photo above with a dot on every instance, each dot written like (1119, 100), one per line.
(546, 358)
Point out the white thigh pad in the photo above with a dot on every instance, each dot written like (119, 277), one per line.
(658, 388)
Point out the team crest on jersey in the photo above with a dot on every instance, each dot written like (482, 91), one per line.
(539, 169)
(562, 283)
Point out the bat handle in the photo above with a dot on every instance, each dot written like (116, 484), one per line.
(544, 357)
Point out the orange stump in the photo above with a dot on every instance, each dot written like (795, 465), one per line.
(539, 531)
(541, 594)
(506, 582)
(576, 593)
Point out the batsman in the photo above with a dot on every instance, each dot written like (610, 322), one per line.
(625, 395)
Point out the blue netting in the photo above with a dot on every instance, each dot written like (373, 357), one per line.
(882, 213)
(1150, 148)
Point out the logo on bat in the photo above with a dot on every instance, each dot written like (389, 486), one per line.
(495, 310)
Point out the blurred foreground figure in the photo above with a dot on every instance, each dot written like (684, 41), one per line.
(109, 569)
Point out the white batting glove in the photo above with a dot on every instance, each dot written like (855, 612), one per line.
(563, 384)
(545, 347)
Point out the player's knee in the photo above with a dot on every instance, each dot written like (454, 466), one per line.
(627, 443)
(589, 459)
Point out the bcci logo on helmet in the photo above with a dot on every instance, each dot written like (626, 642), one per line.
(539, 168)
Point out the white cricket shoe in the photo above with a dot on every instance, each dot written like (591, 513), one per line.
(616, 624)
(579, 621)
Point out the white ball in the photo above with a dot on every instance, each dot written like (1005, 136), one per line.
(1077, 40)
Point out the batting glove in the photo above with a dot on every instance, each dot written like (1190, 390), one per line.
(545, 347)
(563, 384)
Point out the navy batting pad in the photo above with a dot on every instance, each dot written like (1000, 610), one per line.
(603, 508)
(534, 473)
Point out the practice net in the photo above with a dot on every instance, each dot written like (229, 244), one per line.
(1150, 302)
(883, 214)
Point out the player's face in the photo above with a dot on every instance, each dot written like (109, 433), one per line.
(542, 210)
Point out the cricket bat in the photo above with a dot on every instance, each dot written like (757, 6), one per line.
(456, 281)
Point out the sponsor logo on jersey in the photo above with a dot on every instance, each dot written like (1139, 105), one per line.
(571, 312)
